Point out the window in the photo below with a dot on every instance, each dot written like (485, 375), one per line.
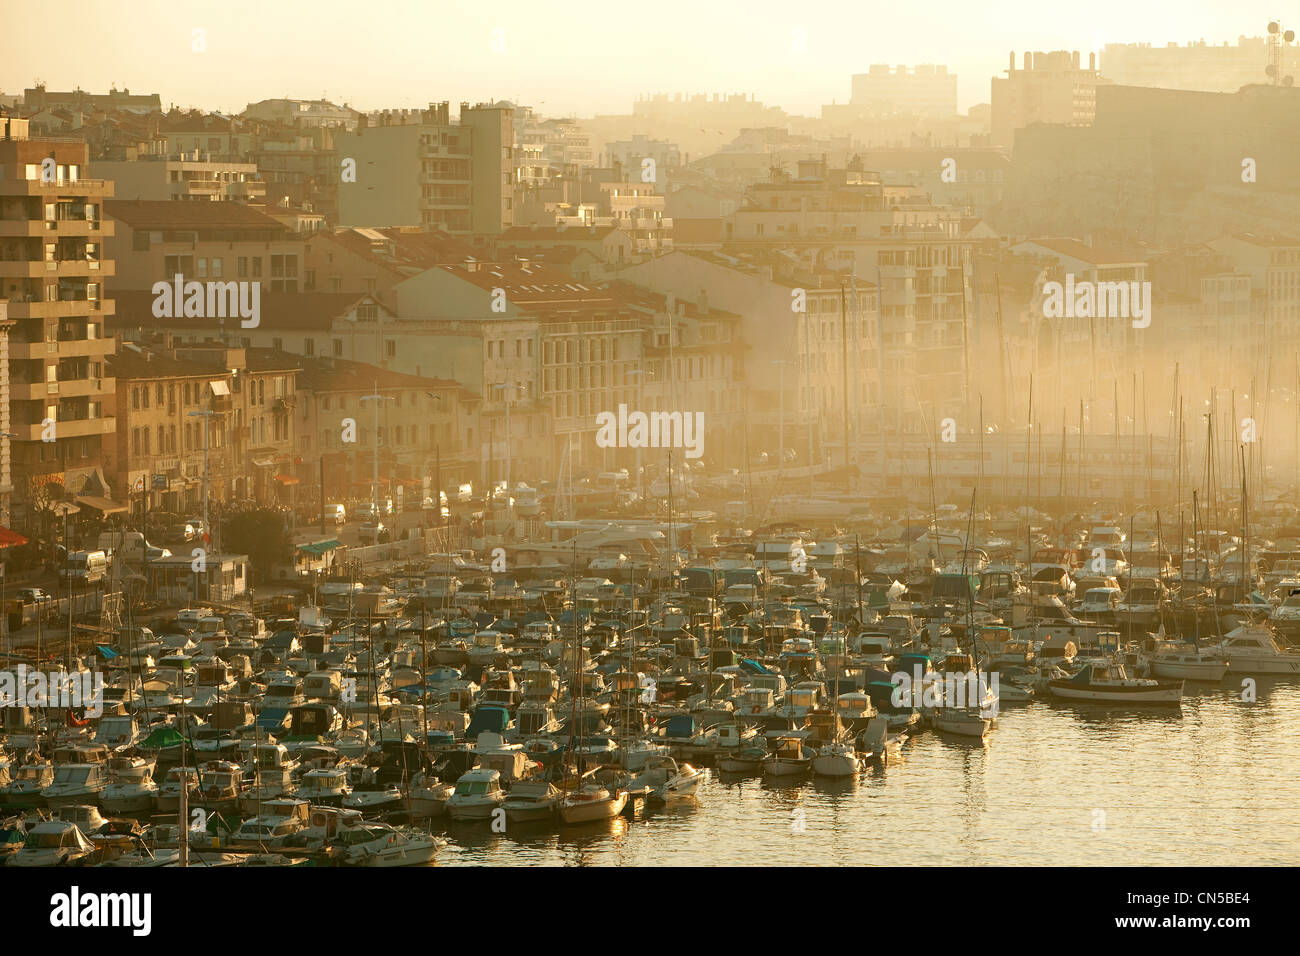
(203, 267)
(309, 347)
(241, 266)
(257, 268)
(338, 347)
(216, 268)
(391, 348)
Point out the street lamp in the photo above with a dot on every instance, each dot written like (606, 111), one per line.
(641, 375)
(206, 414)
(780, 440)
(374, 487)
(514, 390)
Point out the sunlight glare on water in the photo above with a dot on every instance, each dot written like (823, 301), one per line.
(1211, 783)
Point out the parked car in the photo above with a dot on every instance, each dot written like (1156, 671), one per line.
(200, 529)
(33, 595)
(182, 531)
(335, 513)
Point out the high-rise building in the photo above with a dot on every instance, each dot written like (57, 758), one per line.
(1052, 88)
(417, 168)
(52, 273)
(1195, 66)
(926, 90)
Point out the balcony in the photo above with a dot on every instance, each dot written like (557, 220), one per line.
(100, 188)
(84, 387)
(71, 428)
(62, 309)
(65, 348)
(45, 228)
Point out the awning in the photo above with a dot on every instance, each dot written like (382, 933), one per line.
(219, 388)
(10, 539)
(286, 479)
(320, 547)
(102, 505)
(263, 462)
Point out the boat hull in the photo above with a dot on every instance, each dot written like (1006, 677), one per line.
(594, 810)
(1168, 692)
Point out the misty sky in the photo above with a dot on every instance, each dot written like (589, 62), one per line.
(580, 57)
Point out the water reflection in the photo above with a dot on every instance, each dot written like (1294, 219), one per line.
(1051, 786)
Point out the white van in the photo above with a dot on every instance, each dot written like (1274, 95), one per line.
(336, 513)
(84, 566)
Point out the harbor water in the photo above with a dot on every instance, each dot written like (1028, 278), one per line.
(1212, 782)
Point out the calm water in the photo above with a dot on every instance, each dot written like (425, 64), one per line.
(1212, 783)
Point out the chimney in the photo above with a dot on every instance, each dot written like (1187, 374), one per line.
(1092, 62)
(1011, 67)
(1029, 60)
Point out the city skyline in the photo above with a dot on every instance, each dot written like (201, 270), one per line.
(291, 56)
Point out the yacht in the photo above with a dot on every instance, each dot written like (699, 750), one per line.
(132, 790)
(668, 782)
(478, 793)
(1254, 649)
(788, 758)
(592, 802)
(381, 845)
(53, 843)
(76, 783)
(530, 801)
(1110, 684)
(325, 786)
(26, 784)
(427, 796)
(836, 759)
(1187, 662)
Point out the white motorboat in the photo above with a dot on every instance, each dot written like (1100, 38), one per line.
(1110, 684)
(530, 801)
(427, 796)
(326, 787)
(76, 783)
(132, 790)
(381, 845)
(668, 782)
(478, 793)
(53, 843)
(837, 759)
(788, 758)
(26, 784)
(591, 803)
(962, 722)
(1187, 662)
(1254, 649)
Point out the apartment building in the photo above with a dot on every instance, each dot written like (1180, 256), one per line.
(52, 271)
(1051, 88)
(925, 90)
(417, 168)
(168, 390)
(192, 175)
(158, 451)
(6, 463)
(1209, 67)
(1272, 265)
(792, 340)
(426, 428)
(912, 250)
(158, 239)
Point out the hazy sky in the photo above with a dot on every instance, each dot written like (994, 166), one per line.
(579, 57)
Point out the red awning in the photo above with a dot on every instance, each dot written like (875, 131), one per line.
(286, 479)
(10, 539)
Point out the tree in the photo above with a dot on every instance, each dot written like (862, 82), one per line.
(263, 535)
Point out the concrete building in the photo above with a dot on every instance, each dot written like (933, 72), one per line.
(303, 113)
(1052, 88)
(417, 168)
(52, 272)
(426, 429)
(926, 90)
(1214, 68)
(226, 241)
(192, 176)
